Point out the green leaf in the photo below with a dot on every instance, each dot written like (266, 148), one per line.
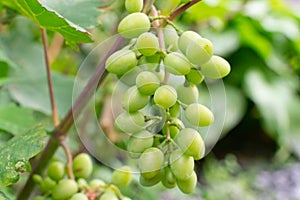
(49, 19)
(15, 120)
(15, 154)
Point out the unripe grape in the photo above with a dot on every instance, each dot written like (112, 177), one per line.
(194, 76)
(187, 94)
(151, 162)
(37, 179)
(199, 51)
(147, 82)
(147, 44)
(198, 115)
(191, 143)
(96, 184)
(217, 67)
(79, 196)
(139, 142)
(129, 77)
(175, 110)
(152, 181)
(171, 38)
(64, 189)
(177, 64)
(130, 122)
(56, 170)
(181, 165)
(165, 96)
(121, 177)
(134, 25)
(188, 186)
(185, 39)
(82, 183)
(173, 130)
(168, 179)
(47, 184)
(167, 6)
(82, 166)
(134, 5)
(108, 196)
(121, 62)
(133, 100)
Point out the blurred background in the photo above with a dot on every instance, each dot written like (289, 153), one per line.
(257, 155)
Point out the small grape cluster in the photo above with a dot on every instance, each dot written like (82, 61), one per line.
(165, 155)
(57, 185)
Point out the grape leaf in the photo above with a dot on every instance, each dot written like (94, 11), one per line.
(49, 19)
(15, 154)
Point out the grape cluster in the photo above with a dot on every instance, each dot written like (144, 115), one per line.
(57, 185)
(165, 153)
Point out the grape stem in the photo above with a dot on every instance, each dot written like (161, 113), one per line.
(70, 159)
(184, 106)
(181, 9)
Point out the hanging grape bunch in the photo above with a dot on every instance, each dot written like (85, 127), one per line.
(157, 51)
(58, 185)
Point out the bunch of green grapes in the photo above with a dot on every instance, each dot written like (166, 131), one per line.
(165, 153)
(58, 186)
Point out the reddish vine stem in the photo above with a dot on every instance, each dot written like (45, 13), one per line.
(70, 160)
(181, 9)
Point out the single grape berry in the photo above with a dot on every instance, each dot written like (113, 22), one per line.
(133, 100)
(121, 177)
(217, 67)
(152, 181)
(167, 6)
(194, 76)
(79, 196)
(96, 184)
(147, 82)
(171, 38)
(147, 44)
(187, 94)
(56, 170)
(151, 162)
(165, 96)
(185, 39)
(177, 64)
(175, 110)
(134, 5)
(108, 196)
(181, 165)
(139, 142)
(199, 51)
(130, 122)
(187, 186)
(168, 179)
(134, 25)
(64, 189)
(82, 166)
(198, 115)
(47, 185)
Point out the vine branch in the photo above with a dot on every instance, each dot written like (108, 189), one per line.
(181, 9)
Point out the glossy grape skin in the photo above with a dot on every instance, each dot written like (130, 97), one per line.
(191, 143)
(181, 165)
(175, 110)
(152, 181)
(56, 170)
(151, 162)
(147, 82)
(134, 25)
(177, 64)
(134, 5)
(199, 51)
(108, 196)
(185, 39)
(82, 165)
(198, 115)
(139, 142)
(47, 184)
(187, 94)
(188, 186)
(130, 122)
(168, 179)
(121, 177)
(79, 196)
(64, 189)
(216, 68)
(147, 44)
(121, 62)
(165, 96)
(133, 100)
(194, 76)
(171, 38)
(167, 6)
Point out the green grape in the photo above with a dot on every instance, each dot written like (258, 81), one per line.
(150, 162)
(194, 76)
(188, 186)
(147, 44)
(64, 189)
(37, 179)
(181, 165)
(79, 196)
(217, 67)
(167, 6)
(165, 96)
(134, 5)
(139, 142)
(56, 170)
(173, 130)
(199, 51)
(133, 100)
(129, 77)
(152, 181)
(168, 179)
(82, 166)
(171, 38)
(147, 82)
(134, 25)
(121, 177)
(96, 184)
(177, 64)
(198, 115)
(187, 94)
(191, 143)
(82, 183)
(108, 196)
(121, 62)
(130, 122)
(175, 110)
(185, 39)
(47, 185)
